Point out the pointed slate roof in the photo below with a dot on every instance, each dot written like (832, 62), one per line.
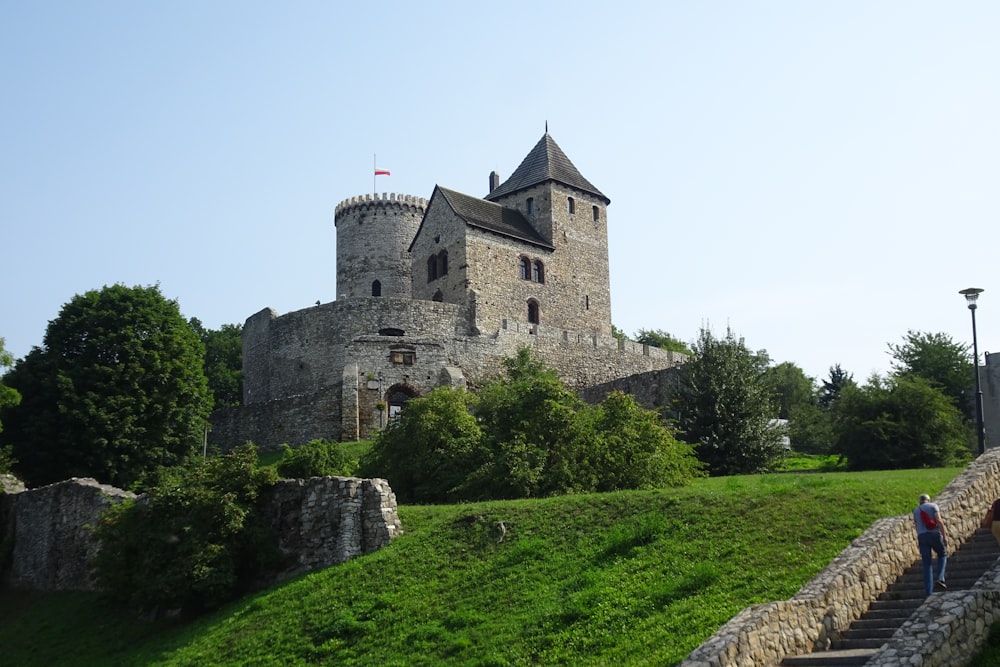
(490, 216)
(545, 162)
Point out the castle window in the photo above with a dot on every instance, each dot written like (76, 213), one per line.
(538, 272)
(438, 296)
(376, 288)
(597, 214)
(586, 302)
(442, 262)
(533, 314)
(432, 268)
(402, 357)
(570, 205)
(525, 264)
(530, 205)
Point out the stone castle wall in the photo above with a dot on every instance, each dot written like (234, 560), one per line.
(319, 372)
(318, 522)
(948, 629)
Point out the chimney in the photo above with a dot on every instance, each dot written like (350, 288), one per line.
(494, 181)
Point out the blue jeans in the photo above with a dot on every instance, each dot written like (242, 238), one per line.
(932, 541)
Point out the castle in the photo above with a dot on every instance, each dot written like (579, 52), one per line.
(439, 291)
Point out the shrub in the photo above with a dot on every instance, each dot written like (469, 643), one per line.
(316, 458)
(193, 541)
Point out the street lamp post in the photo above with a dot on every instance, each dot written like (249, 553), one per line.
(971, 295)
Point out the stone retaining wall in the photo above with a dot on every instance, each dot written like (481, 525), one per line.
(319, 521)
(947, 630)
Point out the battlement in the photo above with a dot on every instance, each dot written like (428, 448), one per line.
(410, 203)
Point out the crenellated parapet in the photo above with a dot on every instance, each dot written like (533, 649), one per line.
(408, 203)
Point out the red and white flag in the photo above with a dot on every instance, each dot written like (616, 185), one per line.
(381, 172)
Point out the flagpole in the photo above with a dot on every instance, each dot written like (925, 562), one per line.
(374, 167)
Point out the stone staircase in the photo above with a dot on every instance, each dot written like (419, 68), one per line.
(888, 613)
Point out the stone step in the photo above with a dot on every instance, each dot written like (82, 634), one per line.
(848, 658)
(893, 607)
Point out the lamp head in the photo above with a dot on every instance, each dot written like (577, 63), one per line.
(971, 294)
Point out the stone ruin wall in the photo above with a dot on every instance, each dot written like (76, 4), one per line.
(948, 629)
(318, 522)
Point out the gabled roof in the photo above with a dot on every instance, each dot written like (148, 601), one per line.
(545, 162)
(489, 216)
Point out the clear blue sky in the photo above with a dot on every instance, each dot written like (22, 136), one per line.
(818, 176)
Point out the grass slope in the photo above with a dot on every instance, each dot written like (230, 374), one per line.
(631, 578)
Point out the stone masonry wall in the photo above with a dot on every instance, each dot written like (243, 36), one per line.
(948, 629)
(49, 529)
(295, 365)
(320, 521)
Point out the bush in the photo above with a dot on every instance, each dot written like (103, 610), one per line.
(193, 541)
(317, 458)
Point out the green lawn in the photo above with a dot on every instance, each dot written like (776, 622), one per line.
(630, 578)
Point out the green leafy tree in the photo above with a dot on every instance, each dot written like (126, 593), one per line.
(427, 454)
(316, 458)
(631, 448)
(524, 435)
(194, 541)
(9, 397)
(724, 407)
(223, 362)
(117, 390)
(939, 360)
(899, 422)
(530, 432)
(833, 385)
(791, 387)
(662, 339)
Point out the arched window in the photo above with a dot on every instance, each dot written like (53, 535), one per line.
(525, 265)
(533, 314)
(570, 205)
(538, 271)
(443, 263)
(438, 296)
(376, 288)
(432, 268)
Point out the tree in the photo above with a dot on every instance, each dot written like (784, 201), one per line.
(195, 541)
(662, 339)
(939, 360)
(525, 435)
(223, 362)
(830, 391)
(429, 452)
(791, 387)
(899, 422)
(117, 389)
(9, 397)
(724, 407)
(809, 427)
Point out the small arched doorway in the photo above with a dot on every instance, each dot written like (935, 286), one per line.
(396, 398)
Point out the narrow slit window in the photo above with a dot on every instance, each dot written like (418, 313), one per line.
(432, 267)
(597, 214)
(570, 205)
(530, 204)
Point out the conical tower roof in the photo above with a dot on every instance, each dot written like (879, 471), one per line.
(545, 162)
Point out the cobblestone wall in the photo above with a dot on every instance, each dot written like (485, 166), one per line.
(947, 630)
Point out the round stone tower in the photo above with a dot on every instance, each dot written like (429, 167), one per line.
(373, 238)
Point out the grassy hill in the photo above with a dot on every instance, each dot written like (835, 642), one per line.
(630, 578)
